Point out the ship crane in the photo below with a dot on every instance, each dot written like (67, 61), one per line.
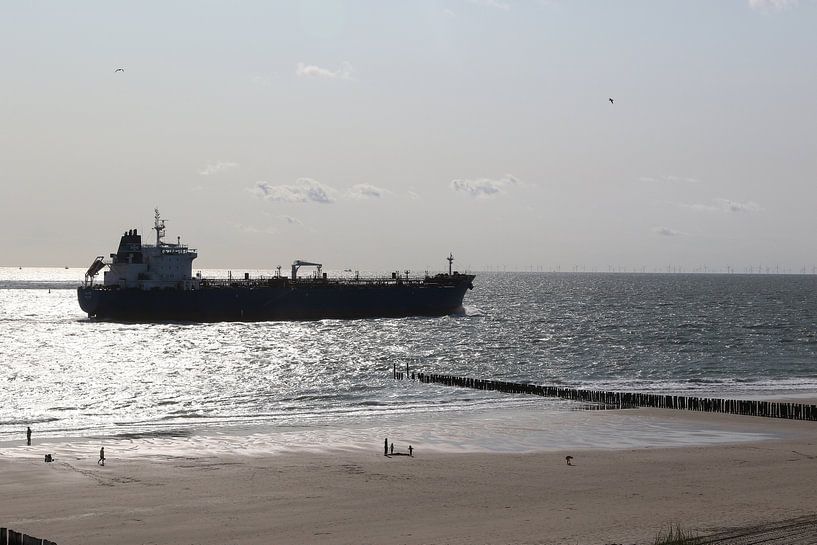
(297, 264)
(93, 270)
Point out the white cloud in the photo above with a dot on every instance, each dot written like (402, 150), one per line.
(725, 205)
(290, 220)
(448, 13)
(218, 166)
(669, 179)
(484, 187)
(497, 4)
(263, 80)
(254, 230)
(702, 207)
(413, 196)
(313, 71)
(667, 232)
(304, 190)
(733, 206)
(772, 5)
(366, 191)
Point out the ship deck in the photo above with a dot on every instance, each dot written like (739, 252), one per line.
(369, 282)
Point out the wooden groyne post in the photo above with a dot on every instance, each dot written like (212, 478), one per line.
(10, 537)
(629, 400)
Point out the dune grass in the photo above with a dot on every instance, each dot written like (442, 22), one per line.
(675, 535)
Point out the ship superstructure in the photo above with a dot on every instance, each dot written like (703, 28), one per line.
(146, 282)
(145, 266)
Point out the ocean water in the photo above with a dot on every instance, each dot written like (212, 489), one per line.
(729, 335)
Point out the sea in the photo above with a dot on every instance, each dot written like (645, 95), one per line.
(729, 335)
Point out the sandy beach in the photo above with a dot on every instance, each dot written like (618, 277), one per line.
(154, 492)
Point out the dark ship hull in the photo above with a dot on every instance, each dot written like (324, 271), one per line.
(279, 299)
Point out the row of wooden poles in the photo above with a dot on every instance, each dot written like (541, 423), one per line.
(629, 400)
(10, 537)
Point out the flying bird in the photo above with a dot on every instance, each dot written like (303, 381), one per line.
(118, 70)
(611, 100)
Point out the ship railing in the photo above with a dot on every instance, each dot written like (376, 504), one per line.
(271, 281)
(172, 248)
(281, 281)
(177, 251)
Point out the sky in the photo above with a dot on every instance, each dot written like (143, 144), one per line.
(378, 135)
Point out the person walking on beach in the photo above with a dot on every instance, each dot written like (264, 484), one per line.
(391, 449)
(386, 447)
(28, 435)
(411, 451)
(101, 460)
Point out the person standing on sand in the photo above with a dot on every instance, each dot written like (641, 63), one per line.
(391, 449)
(28, 435)
(411, 451)
(386, 447)
(101, 460)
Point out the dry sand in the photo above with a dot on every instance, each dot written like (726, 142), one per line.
(360, 496)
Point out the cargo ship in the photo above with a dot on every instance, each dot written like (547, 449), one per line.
(155, 283)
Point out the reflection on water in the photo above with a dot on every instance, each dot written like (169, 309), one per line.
(737, 335)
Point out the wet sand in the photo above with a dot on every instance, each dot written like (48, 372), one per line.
(229, 489)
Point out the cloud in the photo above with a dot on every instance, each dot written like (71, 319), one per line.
(218, 166)
(725, 205)
(413, 196)
(497, 4)
(254, 230)
(484, 187)
(304, 190)
(263, 80)
(667, 232)
(702, 207)
(772, 5)
(449, 13)
(366, 191)
(292, 221)
(669, 179)
(733, 206)
(313, 71)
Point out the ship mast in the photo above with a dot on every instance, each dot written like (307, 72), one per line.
(159, 227)
(450, 260)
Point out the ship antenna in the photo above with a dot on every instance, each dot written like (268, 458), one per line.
(450, 260)
(159, 227)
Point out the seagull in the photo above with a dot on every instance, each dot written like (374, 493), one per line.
(611, 100)
(122, 70)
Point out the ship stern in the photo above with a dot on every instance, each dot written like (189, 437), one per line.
(88, 300)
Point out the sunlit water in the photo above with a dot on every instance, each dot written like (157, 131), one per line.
(735, 335)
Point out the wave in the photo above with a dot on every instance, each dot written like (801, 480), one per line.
(39, 284)
(471, 311)
(29, 421)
